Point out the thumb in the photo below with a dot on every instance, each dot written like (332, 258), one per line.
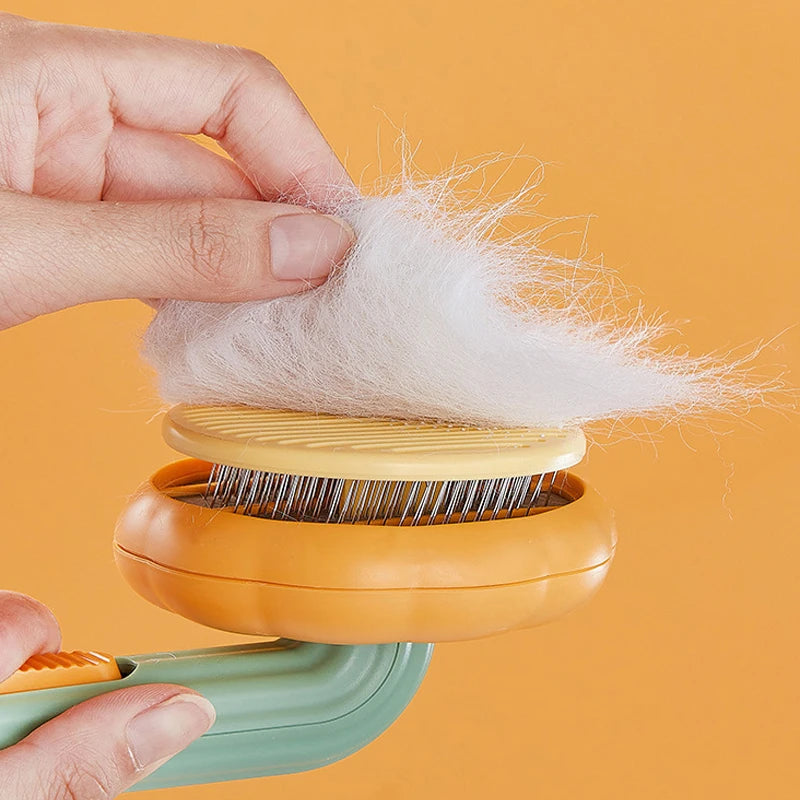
(57, 253)
(103, 746)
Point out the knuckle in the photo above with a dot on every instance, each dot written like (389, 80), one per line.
(78, 782)
(10, 23)
(23, 52)
(11, 46)
(208, 245)
(13, 774)
(32, 772)
(257, 62)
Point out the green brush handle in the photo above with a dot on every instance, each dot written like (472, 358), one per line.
(281, 706)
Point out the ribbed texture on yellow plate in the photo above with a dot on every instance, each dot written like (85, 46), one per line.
(322, 445)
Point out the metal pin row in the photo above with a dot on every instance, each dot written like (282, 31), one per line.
(340, 500)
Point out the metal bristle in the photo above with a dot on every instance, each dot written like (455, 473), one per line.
(379, 502)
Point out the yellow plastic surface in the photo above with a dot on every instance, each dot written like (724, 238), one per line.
(49, 670)
(326, 446)
(354, 584)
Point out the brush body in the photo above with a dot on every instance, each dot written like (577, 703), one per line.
(391, 531)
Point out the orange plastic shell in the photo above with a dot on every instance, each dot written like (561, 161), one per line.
(49, 670)
(358, 584)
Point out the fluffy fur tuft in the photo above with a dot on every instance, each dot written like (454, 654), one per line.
(437, 314)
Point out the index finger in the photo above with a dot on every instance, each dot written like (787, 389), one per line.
(235, 96)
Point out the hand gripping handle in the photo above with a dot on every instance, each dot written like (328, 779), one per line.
(281, 706)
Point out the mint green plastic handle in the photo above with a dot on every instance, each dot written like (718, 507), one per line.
(281, 706)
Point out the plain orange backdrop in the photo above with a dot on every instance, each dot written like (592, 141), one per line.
(676, 124)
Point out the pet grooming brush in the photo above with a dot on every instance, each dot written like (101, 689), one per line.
(353, 531)
(357, 541)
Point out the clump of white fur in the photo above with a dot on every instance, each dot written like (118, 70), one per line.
(436, 315)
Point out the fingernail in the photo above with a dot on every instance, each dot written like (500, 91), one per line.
(304, 246)
(166, 728)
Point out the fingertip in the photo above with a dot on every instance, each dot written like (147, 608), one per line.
(168, 727)
(305, 247)
(27, 627)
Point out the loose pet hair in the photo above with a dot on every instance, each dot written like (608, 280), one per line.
(437, 313)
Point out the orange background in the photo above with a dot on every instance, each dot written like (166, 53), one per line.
(676, 124)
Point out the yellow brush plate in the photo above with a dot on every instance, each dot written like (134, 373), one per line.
(326, 446)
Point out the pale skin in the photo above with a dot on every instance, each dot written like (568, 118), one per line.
(102, 198)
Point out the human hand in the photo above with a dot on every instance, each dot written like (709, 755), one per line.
(101, 747)
(92, 115)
